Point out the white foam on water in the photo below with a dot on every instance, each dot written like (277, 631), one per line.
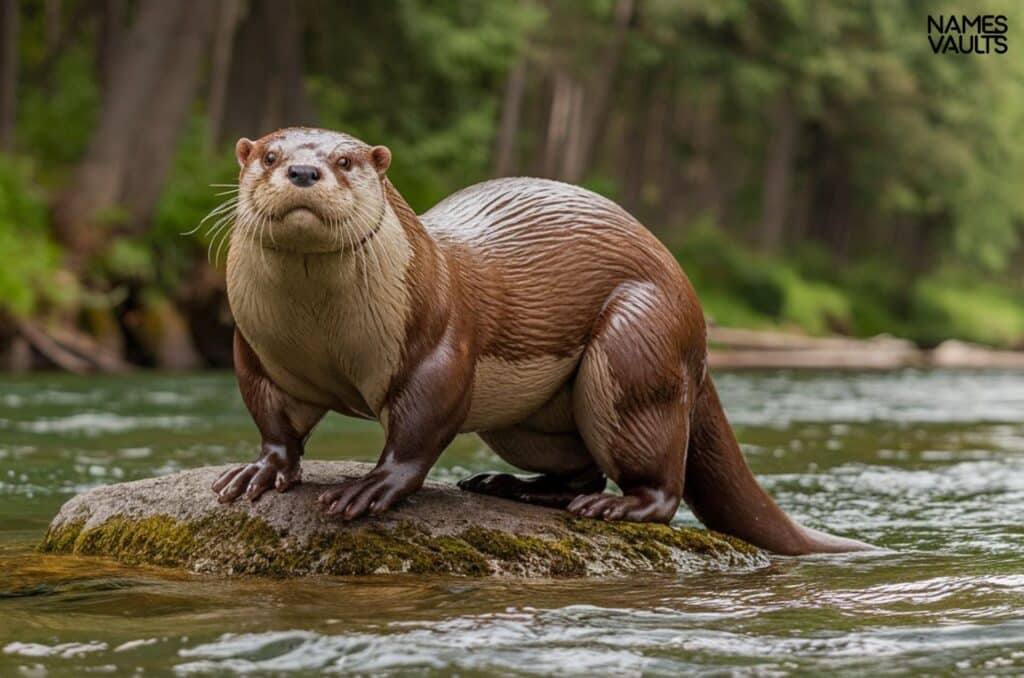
(97, 423)
(62, 650)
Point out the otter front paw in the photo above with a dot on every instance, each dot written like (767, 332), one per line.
(375, 492)
(256, 478)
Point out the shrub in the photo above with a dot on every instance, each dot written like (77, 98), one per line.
(29, 260)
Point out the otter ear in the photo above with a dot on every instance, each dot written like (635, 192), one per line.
(243, 149)
(381, 156)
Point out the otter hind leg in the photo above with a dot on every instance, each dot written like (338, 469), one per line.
(632, 400)
(566, 468)
(544, 490)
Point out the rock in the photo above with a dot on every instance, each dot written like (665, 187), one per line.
(953, 353)
(744, 349)
(769, 340)
(829, 359)
(175, 521)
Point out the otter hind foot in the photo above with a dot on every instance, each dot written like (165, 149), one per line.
(254, 479)
(643, 506)
(544, 490)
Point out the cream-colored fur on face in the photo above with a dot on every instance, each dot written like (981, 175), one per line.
(336, 320)
(328, 216)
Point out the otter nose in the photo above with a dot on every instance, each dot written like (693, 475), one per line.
(303, 175)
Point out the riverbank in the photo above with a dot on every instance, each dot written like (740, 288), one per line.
(733, 348)
(807, 289)
(729, 348)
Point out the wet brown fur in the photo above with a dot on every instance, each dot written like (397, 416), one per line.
(524, 279)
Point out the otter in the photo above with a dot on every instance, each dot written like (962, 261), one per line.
(536, 314)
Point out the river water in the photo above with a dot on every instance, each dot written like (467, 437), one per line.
(928, 464)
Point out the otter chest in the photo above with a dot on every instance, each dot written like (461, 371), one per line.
(318, 336)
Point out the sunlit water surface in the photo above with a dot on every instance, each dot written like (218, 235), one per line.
(928, 464)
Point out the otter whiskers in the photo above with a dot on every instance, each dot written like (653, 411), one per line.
(225, 207)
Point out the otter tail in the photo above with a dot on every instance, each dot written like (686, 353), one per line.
(723, 493)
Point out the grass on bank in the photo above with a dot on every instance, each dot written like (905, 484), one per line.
(805, 292)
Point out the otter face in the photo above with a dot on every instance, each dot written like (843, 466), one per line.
(310, 190)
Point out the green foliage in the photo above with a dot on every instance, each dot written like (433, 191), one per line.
(815, 306)
(193, 186)
(951, 304)
(191, 193)
(128, 259)
(56, 118)
(913, 138)
(738, 286)
(460, 39)
(428, 91)
(881, 297)
(714, 262)
(907, 163)
(28, 259)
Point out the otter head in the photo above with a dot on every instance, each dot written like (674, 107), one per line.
(310, 190)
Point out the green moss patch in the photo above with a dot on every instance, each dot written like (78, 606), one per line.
(656, 544)
(562, 557)
(234, 543)
(164, 541)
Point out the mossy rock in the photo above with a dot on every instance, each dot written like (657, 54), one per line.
(175, 521)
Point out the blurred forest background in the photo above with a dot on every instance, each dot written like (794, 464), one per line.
(813, 165)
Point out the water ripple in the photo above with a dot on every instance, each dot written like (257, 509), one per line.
(928, 464)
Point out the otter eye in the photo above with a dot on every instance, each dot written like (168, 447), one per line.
(270, 158)
(344, 163)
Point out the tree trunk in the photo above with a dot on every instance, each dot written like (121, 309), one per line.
(558, 122)
(8, 72)
(672, 192)
(266, 87)
(151, 86)
(111, 34)
(635, 156)
(572, 154)
(166, 113)
(833, 198)
(598, 106)
(778, 172)
(250, 69)
(53, 27)
(538, 112)
(227, 24)
(98, 181)
(292, 104)
(508, 133)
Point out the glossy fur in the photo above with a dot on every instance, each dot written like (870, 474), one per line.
(539, 315)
